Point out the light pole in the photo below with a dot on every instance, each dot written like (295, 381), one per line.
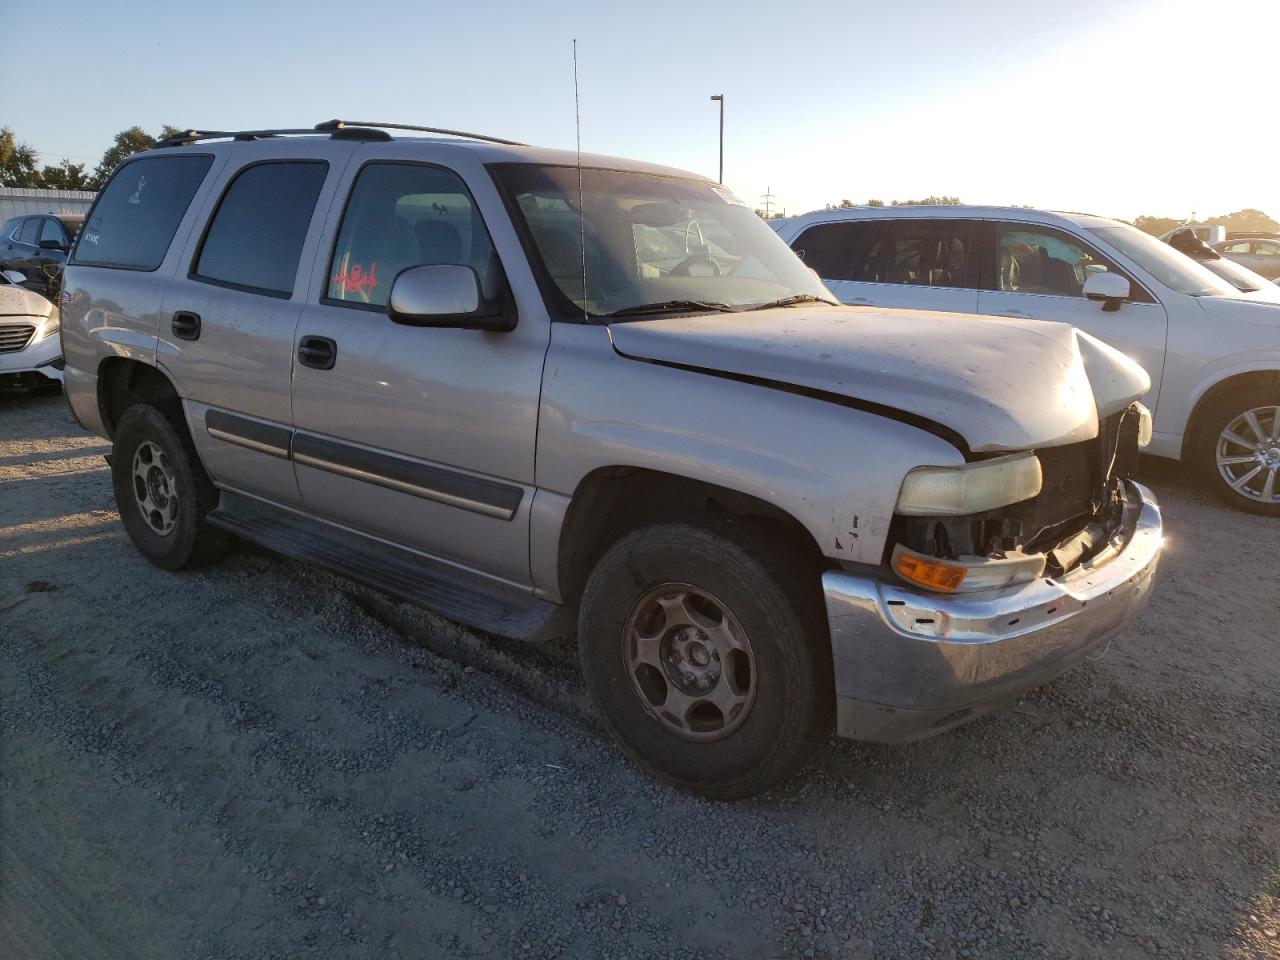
(720, 97)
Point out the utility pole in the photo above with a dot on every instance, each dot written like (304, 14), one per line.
(767, 200)
(720, 97)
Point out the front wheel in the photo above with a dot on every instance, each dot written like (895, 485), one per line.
(1238, 449)
(705, 650)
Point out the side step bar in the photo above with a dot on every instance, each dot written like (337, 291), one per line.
(410, 576)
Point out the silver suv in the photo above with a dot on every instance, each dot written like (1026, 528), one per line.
(545, 398)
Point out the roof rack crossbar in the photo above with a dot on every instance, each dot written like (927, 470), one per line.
(340, 124)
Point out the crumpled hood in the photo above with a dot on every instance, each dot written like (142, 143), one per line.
(19, 302)
(1000, 383)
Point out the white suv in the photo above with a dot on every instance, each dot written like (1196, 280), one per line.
(1213, 352)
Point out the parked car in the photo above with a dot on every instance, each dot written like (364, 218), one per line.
(1209, 233)
(1259, 255)
(36, 246)
(30, 349)
(1242, 278)
(766, 516)
(1213, 352)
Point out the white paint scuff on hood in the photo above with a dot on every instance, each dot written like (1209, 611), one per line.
(16, 301)
(1001, 384)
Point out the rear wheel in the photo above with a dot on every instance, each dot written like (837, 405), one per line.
(1237, 450)
(162, 491)
(705, 650)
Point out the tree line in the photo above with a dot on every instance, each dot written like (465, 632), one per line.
(20, 164)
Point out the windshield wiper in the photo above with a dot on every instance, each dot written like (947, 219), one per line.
(796, 299)
(670, 306)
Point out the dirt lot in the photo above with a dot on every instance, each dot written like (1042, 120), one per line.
(262, 760)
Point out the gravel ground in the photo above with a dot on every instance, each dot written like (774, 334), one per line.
(263, 760)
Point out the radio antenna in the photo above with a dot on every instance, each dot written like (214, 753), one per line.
(582, 212)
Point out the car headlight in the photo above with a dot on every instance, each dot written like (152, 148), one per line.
(971, 487)
(51, 325)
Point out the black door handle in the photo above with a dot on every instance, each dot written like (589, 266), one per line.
(318, 352)
(185, 325)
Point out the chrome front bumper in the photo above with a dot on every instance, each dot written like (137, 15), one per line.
(909, 664)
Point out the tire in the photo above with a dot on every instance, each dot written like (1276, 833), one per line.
(765, 592)
(172, 534)
(1249, 450)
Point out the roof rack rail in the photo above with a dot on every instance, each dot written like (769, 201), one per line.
(349, 132)
(336, 125)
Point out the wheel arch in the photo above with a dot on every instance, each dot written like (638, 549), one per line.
(611, 501)
(123, 382)
(1211, 393)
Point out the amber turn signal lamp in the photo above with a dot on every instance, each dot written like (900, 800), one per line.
(925, 572)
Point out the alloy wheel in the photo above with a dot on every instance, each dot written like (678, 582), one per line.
(1248, 454)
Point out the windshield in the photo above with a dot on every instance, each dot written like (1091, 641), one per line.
(1175, 270)
(653, 244)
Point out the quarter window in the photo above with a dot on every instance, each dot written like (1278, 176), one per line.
(138, 211)
(407, 215)
(254, 241)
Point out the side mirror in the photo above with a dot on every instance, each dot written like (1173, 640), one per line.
(1110, 288)
(51, 245)
(444, 295)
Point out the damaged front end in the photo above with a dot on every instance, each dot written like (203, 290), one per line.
(1005, 520)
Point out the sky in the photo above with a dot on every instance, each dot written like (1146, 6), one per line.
(1159, 107)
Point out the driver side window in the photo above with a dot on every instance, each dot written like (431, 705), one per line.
(403, 215)
(52, 230)
(1043, 261)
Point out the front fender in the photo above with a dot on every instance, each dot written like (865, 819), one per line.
(835, 470)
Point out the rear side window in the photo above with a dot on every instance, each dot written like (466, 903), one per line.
(30, 228)
(407, 215)
(852, 250)
(928, 253)
(254, 241)
(138, 211)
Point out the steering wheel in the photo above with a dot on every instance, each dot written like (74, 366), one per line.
(681, 269)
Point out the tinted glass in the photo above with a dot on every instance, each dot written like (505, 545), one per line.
(928, 253)
(136, 214)
(30, 229)
(407, 215)
(52, 230)
(853, 250)
(255, 238)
